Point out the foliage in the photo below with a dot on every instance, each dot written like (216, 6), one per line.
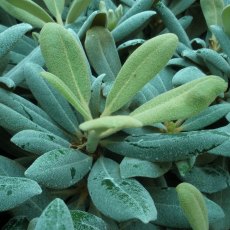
(114, 114)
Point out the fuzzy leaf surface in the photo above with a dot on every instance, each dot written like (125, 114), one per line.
(16, 190)
(132, 167)
(76, 8)
(141, 66)
(181, 102)
(26, 11)
(86, 221)
(60, 168)
(10, 37)
(107, 189)
(55, 7)
(70, 65)
(38, 142)
(165, 147)
(56, 216)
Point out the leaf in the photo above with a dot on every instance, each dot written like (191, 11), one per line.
(165, 147)
(38, 142)
(66, 92)
(132, 167)
(206, 117)
(102, 53)
(225, 19)
(212, 11)
(60, 168)
(16, 190)
(137, 225)
(141, 66)
(193, 205)
(11, 36)
(26, 11)
(132, 25)
(107, 189)
(76, 8)
(110, 122)
(181, 102)
(9, 167)
(170, 213)
(86, 221)
(55, 7)
(16, 223)
(208, 179)
(56, 216)
(59, 109)
(70, 65)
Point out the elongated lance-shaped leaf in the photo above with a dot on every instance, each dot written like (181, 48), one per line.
(111, 122)
(70, 65)
(11, 36)
(193, 205)
(225, 19)
(26, 11)
(212, 11)
(77, 7)
(55, 7)
(102, 53)
(67, 93)
(142, 65)
(182, 102)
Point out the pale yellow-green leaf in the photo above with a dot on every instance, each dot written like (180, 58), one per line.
(66, 92)
(142, 65)
(76, 8)
(193, 205)
(65, 58)
(212, 11)
(181, 102)
(111, 122)
(26, 11)
(226, 19)
(55, 6)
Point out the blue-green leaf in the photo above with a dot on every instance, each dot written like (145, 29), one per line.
(107, 189)
(60, 168)
(11, 36)
(16, 190)
(132, 167)
(38, 142)
(132, 25)
(165, 147)
(26, 11)
(86, 221)
(56, 216)
(102, 53)
(16, 223)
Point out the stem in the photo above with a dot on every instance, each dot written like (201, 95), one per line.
(59, 19)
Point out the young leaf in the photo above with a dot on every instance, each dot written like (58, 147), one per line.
(142, 65)
(56, 216)
(193, 205)
(86, 221)
(165, 147)
(55, 7)
(38, 142)
(182, 102)
(11, 36)
(111, 122)
(132, 167)
(107, 189)
(212, 11)
(66, 92)
(102, 53)
(70, 65)
(16, 190)
(76, 8)
(225, 19)
(60, 168)
(26, 11)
